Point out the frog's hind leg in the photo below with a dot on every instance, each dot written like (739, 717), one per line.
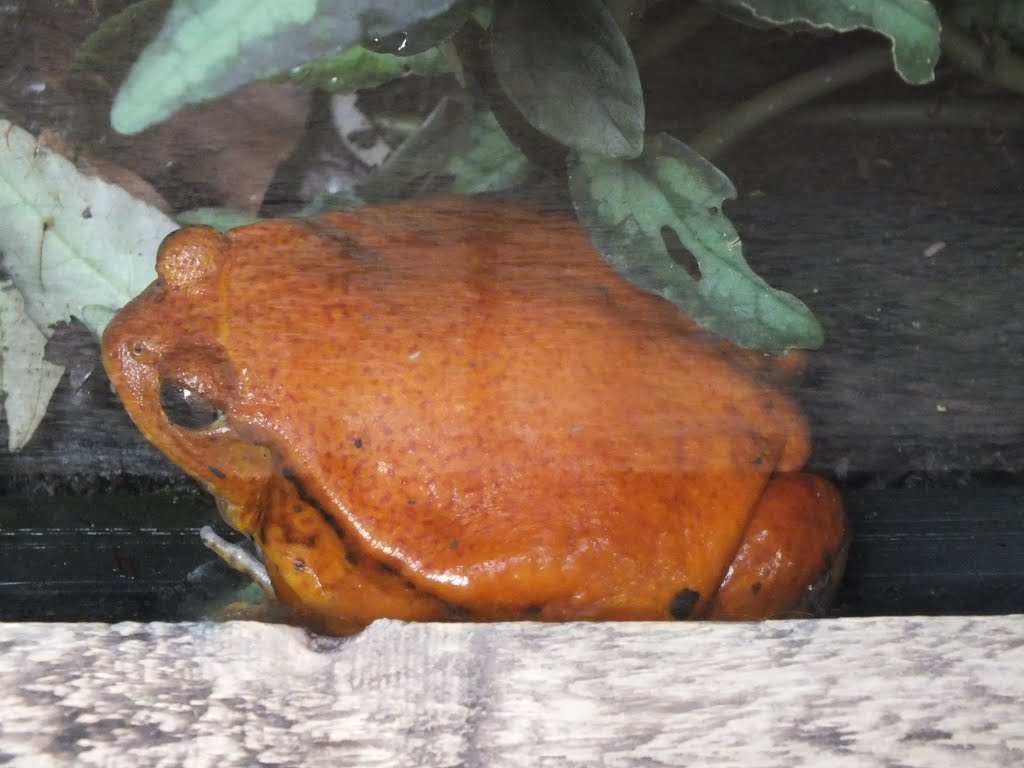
(792, 554)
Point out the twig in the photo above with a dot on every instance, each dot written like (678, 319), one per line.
(665, 37)
(1001, 113)
(786, 95)
(999, 65)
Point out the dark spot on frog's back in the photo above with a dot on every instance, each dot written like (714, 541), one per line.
(683, 603)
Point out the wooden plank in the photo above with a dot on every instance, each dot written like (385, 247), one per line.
(845, 692)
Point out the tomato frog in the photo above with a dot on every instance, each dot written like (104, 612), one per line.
(451, 409)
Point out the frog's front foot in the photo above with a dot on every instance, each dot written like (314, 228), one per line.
(792, 553)
(239, 559)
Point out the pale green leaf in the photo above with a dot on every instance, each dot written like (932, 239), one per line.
(27, 380)
(73, 246)
(70, 240)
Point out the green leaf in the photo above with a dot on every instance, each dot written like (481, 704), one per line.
(471, 149)
(207, 49)
(488, 161)
(568, 69)
(912, 25)
(424, 35)
(221, 219)
(359, 68)
(624, 205)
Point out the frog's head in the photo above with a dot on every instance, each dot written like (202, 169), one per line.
(164, 358)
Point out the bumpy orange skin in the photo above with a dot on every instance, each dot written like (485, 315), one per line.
(456, 409)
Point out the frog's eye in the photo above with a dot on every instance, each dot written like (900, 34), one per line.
(186, 408)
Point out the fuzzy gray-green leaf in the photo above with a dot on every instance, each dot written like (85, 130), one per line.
(206, 49)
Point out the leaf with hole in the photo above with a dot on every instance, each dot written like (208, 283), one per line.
(568, 69)
(625, 206)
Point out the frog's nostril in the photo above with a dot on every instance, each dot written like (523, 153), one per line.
(186, 408)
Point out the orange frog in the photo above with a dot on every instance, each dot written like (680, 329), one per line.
(452, 409)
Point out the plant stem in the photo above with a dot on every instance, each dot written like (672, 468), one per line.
(999, 65)
(787, 94)
(665, 37)
(625, 13)
(999, 113)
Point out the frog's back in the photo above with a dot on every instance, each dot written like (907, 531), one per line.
(484, 404)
